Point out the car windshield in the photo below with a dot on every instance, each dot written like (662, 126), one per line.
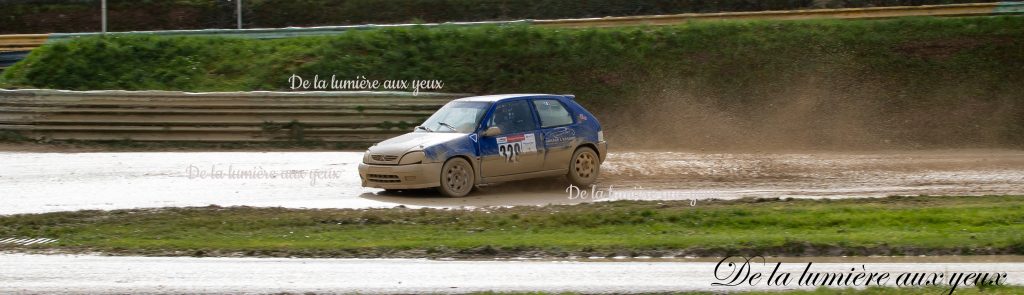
(456, 116)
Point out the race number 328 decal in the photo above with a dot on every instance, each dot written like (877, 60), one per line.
(512, 146)
(510, 151)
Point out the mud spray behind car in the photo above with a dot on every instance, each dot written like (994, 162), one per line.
(488, 139)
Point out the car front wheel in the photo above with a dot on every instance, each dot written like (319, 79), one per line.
(457, 178)
(584, 167)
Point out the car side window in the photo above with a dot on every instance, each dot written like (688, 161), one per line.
(513, 117)
(552, 113)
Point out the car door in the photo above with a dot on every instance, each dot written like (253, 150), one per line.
(516, 149)
(559, 137)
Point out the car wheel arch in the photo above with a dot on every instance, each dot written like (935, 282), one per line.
(592, 147)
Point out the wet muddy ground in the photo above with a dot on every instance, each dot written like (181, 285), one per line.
(947, 172)
(144, 275)
(46, 182)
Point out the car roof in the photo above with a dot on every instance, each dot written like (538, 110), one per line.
(500, 97)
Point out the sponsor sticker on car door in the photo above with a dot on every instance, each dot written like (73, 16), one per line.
(510, 147)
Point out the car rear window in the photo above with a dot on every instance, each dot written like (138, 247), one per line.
(552, 113)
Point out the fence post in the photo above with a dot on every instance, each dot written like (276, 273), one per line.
(239, 14)
(103, 16)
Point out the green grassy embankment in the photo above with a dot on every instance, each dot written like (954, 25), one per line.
(896, 83)
(886, 226)
(41, 16)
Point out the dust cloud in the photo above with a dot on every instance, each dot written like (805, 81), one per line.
(824, 110)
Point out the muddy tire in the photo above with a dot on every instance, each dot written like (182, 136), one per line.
(457, 178)
(584, 166)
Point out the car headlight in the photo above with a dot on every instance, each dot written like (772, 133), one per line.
(366, 157)
(412, 158)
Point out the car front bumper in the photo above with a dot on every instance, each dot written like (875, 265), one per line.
(412, 176)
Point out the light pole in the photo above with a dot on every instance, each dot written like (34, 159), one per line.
(103, 16)
(239, 14)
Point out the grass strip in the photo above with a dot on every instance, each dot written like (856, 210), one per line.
(922, 225)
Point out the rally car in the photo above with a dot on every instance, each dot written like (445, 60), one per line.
(487, 139)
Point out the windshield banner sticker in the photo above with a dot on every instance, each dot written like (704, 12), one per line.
(512, 146)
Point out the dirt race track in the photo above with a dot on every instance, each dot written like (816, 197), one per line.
(161, 275)
(46, 182)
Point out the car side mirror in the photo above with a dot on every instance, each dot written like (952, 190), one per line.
(492, 131)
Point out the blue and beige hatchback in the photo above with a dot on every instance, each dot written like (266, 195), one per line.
(488, 139)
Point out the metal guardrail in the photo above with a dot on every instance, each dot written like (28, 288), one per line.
(277, 33)
(14, 48)
(842, 13)
(21, 42)
(9, 58)
(359, 117)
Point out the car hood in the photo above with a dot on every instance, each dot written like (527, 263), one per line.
(413, 141)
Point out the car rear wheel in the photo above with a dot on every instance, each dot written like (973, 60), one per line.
(457, 178)
(584, 167)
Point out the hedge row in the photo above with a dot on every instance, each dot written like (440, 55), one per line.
(911, 81)
(43, 16)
